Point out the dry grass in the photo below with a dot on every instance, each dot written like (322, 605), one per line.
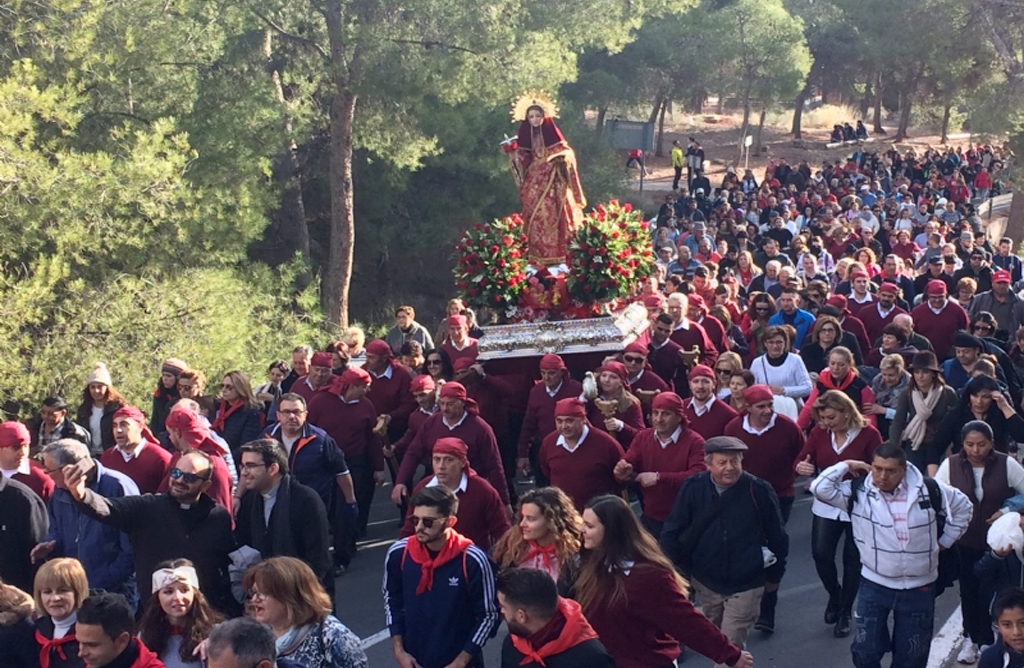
(824, 117)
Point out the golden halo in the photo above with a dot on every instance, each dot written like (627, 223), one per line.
(531, 98)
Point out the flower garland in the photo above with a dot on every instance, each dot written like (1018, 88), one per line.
(491, 271)
(610, 254)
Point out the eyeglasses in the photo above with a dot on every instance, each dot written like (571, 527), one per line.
(433, 362)
(982, 328)
(250, 466)
(227, 386)
(297, 412)
(723, 372)
(635, 359)
(427, 522)
(188, 478)
(253, 595)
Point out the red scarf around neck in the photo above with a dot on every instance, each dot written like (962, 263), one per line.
(546, 553)
(828, 381)
(223, 413)
(46, 645)
(576, 630)
(453, 548)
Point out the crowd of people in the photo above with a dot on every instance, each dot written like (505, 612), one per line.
(854, 326)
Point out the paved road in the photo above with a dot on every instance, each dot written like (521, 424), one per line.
(800, 639)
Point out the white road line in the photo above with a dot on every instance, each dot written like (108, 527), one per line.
(375, 639)
(946, 641)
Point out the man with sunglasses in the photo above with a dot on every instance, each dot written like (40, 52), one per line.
(187, 431)
(439, 598)
(183, 522)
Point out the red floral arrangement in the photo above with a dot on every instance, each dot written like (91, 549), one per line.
(491, 270)
(610, 254)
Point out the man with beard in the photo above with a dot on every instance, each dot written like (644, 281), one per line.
(877, 315)
(706, 414)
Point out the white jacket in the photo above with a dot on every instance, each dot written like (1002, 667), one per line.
(885, 559)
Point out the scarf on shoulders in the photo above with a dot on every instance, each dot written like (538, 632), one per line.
(924, 406)
(223, 413)
(453, 548)
(546, 553)
(575, 631)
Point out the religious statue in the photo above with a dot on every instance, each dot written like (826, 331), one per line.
(544, 168)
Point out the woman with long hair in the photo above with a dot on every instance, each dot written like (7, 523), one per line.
(921, 408)
(841, 375)
(285, 594)
(746, 270)
(238, 416)
(177, 617)
(628, 417)
(100, 400)
(760, 308)
(269, 392)
(826, 335)
(166, 392)
(438, 365)
(727, 363)
(635, 599)
(840, 433)
(546, 535)
(453, 307)
(59, 589)
(784, 372)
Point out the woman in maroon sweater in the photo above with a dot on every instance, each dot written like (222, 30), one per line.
(635, 600)
(841, 433)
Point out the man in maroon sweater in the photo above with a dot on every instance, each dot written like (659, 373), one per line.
(663, 354)
(319, 376)
(389, 391)
(424, 391)
(698, 312)
(877, 315)
(661, 458)
(458, 418)
(344, 412)
(187, 431)
(686, 332)
(138, 454)
(577, 458)
(15, 463)
(938, 318)
(539, 421)
(706, 414)
(481, 514)
(849, 322)
(640, 376)
(773, 444)
(459, 343)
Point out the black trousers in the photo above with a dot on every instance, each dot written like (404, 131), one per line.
(771, 599)
(678, 176)
(362, 481)
(825, 537)
(974, 602)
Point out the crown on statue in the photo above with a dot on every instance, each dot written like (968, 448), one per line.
(530, 99)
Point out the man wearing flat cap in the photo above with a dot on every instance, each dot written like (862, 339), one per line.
(725, 532)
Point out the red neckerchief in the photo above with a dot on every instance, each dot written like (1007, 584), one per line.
(576, 630)
(455, 546)
(223, 413)
(536, 550)
(827, 381)
(48, 644)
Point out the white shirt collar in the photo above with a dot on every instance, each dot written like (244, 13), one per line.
(659, 346)
(933, 309)
(128, 456)
(885, 314)
(386, 374)
(685, 324)
(552, 393)
(24, 468)
(453, 426)
(747, 428)
(671, 439)
(633, 380)
(434, 482)
(583, 436)
(425, 412)
(850, 435)
(469, 342)
(701, 410)
(867, 298)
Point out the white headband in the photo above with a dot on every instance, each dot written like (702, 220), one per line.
(168, 576)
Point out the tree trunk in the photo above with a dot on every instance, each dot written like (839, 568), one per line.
(760, 127)
(745, 125)
(293, 208)
(601, 113)
(658, 100)
(905, 107)
(798, 110)
(661, 127)
(343, 226)
(878, 129)
(945, 123)
(1015, 221)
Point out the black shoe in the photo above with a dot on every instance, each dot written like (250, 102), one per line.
(832, 611)
(842, 628)
(339, 570)
(765, 625)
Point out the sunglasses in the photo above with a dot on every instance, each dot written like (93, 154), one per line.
(188, 478)
(635, 359)
(427, 522)
(723, 372)
(433, 362)
(983, 328)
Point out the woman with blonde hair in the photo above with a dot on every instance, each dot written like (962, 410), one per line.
(891, 382)
(841, 375)
(727, 363)
(285, 595)
(59, 589)
(177, 617)
(746, 270)
(237, 418)
(841, 433)
(454, 307)
(546, 535)
(627, 418)
(634, 598)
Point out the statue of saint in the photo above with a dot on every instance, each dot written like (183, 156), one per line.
(544, 167)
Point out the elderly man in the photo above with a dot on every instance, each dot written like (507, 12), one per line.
(458, 418)
(301, 357)
(877, 315)
(661, 458)
(539, 421)
(1002, 303)
(688, 334)
(705, 413)
(406, 329)
(481, 514)
(901, 521)
(577, 458)
(938, 318)
(349, 418)
(722, 522)
(105, 552)
(54, 424)
(186, 431)
(906, 322)
(459, 344)
(137, 453)
(319, 375)
(16, 464)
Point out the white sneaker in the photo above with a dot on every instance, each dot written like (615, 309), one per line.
(968, 652)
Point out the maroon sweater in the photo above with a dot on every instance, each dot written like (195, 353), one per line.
(674, 463)
(686, 338)
(645, 627)
(148, 469)
(856, 327)
(772, 455)
(36, 480)
(416, 421)
(711, 423)
(819, 447)
(716, 332)
(481, 516)
(301, 387)
(587, 471)
(350, 425)
(392, 396)
(939, 328)
(471, 351)
(874, 323)
(493, 396)
(669, 366)
(632, 421)
(539, 420)
(479, 439)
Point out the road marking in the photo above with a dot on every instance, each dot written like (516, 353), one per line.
(375, 639)
(946, 641)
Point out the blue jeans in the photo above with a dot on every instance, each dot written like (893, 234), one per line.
(913, 612)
